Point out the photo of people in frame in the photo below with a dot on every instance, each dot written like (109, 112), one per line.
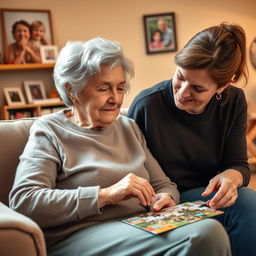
(160, 33)
(24, 31)
(48, 53)
(35, 92)
(14, 96)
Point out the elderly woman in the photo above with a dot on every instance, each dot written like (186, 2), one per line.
(86, 167)
(22, 51)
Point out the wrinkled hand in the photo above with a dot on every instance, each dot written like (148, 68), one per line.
(130, 186)
(161, 201)
(225, 185)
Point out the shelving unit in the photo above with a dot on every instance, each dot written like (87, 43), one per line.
(26, 110)
(4, 67)
(30, 110)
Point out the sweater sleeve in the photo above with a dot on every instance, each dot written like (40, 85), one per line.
(235, 150)
(159, 181)
(34, 192)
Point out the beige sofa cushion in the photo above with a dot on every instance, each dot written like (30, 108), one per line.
(19, 235)
(13, 135)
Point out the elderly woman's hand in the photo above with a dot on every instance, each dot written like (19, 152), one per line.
(225, 185)
(161, 201)
(130, 186)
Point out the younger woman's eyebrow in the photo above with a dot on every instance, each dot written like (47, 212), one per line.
(197, 85)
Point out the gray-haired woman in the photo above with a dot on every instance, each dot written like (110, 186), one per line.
(86, 167)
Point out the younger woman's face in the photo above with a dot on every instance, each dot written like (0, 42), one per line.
(193, 89)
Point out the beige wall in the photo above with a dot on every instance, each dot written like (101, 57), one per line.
(122, 20)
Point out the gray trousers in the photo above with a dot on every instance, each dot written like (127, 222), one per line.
(203, 238)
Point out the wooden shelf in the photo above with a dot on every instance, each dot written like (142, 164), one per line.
(35, 108)
(26, 66)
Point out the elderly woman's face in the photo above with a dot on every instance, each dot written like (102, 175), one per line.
(21, 32)
(100, 101)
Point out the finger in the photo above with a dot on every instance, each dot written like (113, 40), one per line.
(162, 203)
(148, 186)
(163, 200)
(228, 201)
(210, 188)
(137, 193)
(221, 196)
(145, 191)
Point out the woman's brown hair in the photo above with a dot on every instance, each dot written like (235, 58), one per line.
(221, 50)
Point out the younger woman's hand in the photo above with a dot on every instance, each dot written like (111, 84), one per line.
(225, 185)
(130, 186)
(161, 201)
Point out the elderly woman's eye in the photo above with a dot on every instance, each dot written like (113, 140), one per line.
(103, 89)
(121, 88)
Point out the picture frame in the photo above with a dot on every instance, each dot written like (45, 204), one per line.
(160, 33)
(14, 96)
(48, 53)
(35, 91)
(10, 16)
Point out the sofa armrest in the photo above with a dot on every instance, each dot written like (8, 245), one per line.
(19, 235)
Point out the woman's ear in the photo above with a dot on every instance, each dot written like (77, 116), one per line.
(71, 96)
(68, 89)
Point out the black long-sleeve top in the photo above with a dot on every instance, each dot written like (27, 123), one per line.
(192, 149)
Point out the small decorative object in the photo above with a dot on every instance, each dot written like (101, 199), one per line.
(48, 53)
(14, 96)
(53, 93)
(35, 91)
(160, 33)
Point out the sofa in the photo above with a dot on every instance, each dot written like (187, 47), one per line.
(19, 235)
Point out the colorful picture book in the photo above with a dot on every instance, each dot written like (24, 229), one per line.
(172, 217)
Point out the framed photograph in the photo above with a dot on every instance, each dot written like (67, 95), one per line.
(48, 53)
(10, 16)
(35, 91)
(160, 33)
(14, 96)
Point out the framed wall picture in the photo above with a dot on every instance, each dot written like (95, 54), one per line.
(160, 33)
(48, 53)
(11, 17)
(35, 91)
(14, 96)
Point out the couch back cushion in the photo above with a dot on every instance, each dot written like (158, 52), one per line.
(13, 135)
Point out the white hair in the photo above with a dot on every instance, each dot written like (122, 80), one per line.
(77, 62)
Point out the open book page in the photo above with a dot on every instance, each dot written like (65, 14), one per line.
(172, 217)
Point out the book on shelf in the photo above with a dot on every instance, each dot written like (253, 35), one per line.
(46, 111)
(21, 114)
(172, 217)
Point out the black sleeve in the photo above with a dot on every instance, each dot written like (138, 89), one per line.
(136, 112)
(235, 151)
